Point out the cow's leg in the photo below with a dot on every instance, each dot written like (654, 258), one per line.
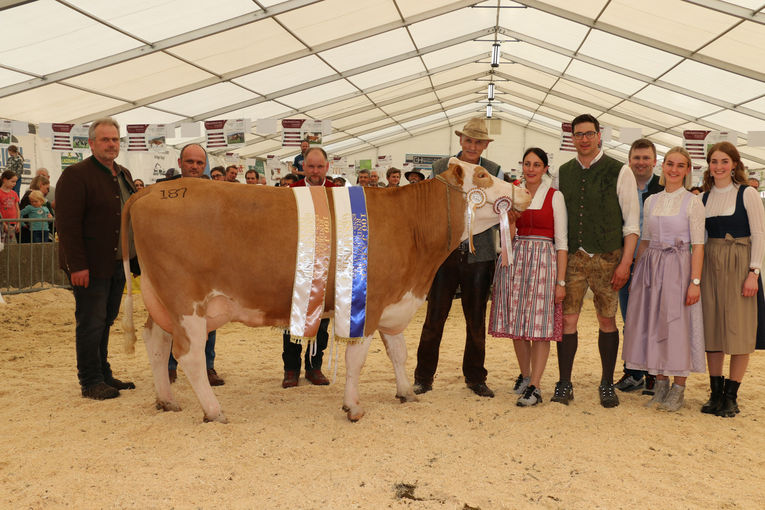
(190, 337)
(395, 345)
(158, 344)
(355, 355)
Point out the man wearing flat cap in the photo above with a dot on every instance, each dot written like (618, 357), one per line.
(472, 272)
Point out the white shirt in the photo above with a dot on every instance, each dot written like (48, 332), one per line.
(626, 192)
(668, 204)
(722, 202)
(560, 217)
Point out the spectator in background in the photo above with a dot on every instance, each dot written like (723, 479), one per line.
(297, 164)
(138, 183)
(169, 173)
(374, 179)
(754, 182)
(288, 180)
(9, 205)
(393, 176)
(262, 180)
(414, 176)
(37, 210)
(696, 190)
(50, 197)
(251, 177)
(363, 178)
(218, 173)
(232, 171)
(339, 181)
(16, 165)
(39, 183)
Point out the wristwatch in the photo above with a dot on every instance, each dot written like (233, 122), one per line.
(696, 281)
(754, 270)
(562, 283)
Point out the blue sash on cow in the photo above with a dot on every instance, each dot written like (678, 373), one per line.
(352, 241)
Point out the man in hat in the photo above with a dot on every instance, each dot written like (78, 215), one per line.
(414, 176)
(472, 272)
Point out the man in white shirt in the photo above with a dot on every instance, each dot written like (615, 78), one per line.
(603, 227)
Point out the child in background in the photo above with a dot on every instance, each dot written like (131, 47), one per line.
(9, 206)
(36, 210)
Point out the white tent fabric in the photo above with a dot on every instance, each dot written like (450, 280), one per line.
(389, 70)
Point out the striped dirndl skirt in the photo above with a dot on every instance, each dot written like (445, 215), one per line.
(523, 300)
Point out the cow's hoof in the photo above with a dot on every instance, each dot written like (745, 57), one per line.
(221, 418)
(168, 406)
(411, 397)
(355, 413)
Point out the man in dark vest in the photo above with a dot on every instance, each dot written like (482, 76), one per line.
(642, 160)
(603, 228)
(472, 272)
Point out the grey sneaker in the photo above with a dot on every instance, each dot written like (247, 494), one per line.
(521, 383)
(660, 392)
(629, 383)
(531, 397)
(674, 400)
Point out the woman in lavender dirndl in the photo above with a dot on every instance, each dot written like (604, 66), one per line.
(663, 330)
(528, 293)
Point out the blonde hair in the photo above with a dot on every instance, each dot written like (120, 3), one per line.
(739, 176)
(36, 195)
(688, 178)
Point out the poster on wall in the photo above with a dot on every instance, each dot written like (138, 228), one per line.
(225, 134)
(70, 137)
(694, 143)
(147, 137)
(274, 169)
(294, 131)
(422, 162)
(5, 133)
(70, 158)
(383, 163)
(338, 165)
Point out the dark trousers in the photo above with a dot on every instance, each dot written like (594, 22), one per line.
(291, 352)
(96, 307)
(474, 281)
(624, 297)
(172, 363)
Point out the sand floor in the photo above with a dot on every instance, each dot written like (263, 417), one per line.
(295, 449)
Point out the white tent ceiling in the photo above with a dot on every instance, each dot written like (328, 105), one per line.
(387, 70)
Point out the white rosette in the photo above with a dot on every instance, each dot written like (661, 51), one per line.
(502, 206)
(476, 198)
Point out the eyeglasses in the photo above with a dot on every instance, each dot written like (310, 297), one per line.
(588, 134)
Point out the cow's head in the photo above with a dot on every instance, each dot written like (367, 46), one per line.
(486, 195)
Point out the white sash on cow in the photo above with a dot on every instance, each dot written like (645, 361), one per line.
(352, 241)
(312, 262)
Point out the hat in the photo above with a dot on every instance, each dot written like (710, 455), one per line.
(475, 128)
(411, 172)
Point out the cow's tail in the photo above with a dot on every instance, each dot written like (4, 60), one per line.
(128, 326)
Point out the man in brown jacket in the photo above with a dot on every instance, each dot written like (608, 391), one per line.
(89, 200)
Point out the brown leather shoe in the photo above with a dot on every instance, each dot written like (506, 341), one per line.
(316, 377)
(290, 378)
(213, 377)
(100, 391)
(173, 375)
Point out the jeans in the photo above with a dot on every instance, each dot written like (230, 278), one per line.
(474, 281)
(624, 296)
(39, 236)
(172, 363)
(96, 308)
(291, 352)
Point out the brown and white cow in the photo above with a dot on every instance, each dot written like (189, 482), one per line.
(184, 228)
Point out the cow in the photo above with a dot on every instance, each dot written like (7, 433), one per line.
(183, 228)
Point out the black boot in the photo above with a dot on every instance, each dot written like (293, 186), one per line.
(714, 403)
(729, 407)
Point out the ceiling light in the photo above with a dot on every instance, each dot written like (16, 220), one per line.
(495, 55)
(491, 92)
(488, 111)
